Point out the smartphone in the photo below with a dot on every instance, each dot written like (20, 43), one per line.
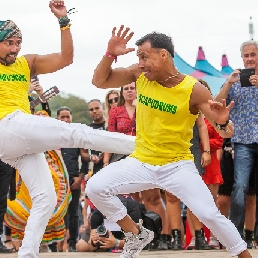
(35, 78)
(245, 76)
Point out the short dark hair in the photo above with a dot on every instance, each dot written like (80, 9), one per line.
(158, 40)
(94, 100)
(62, 109)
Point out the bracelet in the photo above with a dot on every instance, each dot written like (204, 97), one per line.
(63, 21)
(222, 126)
(111, 56)
(207, 151)
(117, 243)
(66, 27)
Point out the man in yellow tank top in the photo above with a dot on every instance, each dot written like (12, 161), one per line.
(168, 103)
(24, 137)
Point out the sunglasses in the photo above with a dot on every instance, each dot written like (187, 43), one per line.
(110, 101)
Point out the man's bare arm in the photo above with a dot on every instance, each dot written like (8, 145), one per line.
(200, 101)
(105, 77)
(223, 93)
(42, 64)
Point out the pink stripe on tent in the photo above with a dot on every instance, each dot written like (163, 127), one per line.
(198, 74)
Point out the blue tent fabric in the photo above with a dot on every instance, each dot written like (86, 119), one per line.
(215, 82)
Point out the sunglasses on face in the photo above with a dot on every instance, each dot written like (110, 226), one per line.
(110, 101)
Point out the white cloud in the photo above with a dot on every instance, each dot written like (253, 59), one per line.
(218, 26)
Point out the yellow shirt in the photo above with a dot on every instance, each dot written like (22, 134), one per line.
(14, 86)
(164, 124)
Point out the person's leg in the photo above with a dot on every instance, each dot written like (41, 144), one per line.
(152, 201)
(5, 178)
(223, 204)
(197, 197)
(250, 218)
(174, 214)
(22, 134)
(36, 175)
(243, 163)
(73, 219)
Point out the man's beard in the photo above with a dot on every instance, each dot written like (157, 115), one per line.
(4, 60)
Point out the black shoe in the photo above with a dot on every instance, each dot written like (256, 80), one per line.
(53, 247)
(72, 246)
(4, 249)
(200, 242)
(169, 241)
(176, 242)
(249, 238)
(163, 242)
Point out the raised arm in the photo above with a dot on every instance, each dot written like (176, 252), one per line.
(106, 77)
(42, 64)
(223, 93)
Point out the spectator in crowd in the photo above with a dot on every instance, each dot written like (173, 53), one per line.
(225, 190)
(111, 100)
(122, 118)
(71, 160)
(98, 122)
(245, 138)
(114, 239)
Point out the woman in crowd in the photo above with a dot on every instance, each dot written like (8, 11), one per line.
(111, 101)
(122, 118)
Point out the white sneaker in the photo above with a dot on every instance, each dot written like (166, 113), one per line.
(192, 244)
(135, 243)
(214, 243)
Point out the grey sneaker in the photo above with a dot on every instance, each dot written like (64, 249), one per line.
(135, 243)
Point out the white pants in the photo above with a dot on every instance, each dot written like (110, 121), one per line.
(180, 178)
(24, 138)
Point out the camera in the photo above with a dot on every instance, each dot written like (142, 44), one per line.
(102, 231)
(245, 75)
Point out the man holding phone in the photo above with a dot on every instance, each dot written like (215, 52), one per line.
(245, 118)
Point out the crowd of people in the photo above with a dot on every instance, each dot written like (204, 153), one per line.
(161, 143)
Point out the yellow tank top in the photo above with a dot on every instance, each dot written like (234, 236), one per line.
(14, 86)
(164, 124)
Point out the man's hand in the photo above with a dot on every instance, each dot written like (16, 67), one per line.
(254, 80)
(234, 77)
(96, 159)
(58, 8)
(76, 183)
(219, 111)
(35, 86)
(107, 242)
(117, 43)
(94, 237)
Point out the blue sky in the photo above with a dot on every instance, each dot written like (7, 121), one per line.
(218, 26)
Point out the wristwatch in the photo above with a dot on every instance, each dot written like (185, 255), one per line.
(208, 151)
(222, 126)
